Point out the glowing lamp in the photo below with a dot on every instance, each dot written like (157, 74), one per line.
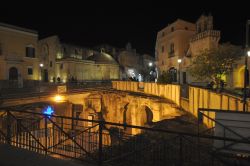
(48, 111)
(248, 53)
(58, 98)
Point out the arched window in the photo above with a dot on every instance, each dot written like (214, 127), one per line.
(13, 73)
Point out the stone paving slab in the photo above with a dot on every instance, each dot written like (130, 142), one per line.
(12, 156)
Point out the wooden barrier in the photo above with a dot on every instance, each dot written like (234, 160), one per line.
(168, 91)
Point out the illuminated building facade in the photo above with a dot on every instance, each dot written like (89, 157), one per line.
(65, 62)
(19, 56)
(183, 40)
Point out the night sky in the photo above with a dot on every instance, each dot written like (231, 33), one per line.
(119, 22)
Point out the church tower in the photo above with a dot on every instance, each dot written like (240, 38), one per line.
(206, 37)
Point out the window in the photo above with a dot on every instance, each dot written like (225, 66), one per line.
(162, 62)
(50, 64)
(186, 28)
(162, 49)
(61, 66)
(171, 49)
(172, 29)
(30, 52)
(30, 71)
(163, 34)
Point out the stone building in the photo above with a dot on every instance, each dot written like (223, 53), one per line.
(132, 64)
(183, 40)
(64, 62)
(19, 56)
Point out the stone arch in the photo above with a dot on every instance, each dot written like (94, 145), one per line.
(239, 77)
(145, 116)
(13, 73)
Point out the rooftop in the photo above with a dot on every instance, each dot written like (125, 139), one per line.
(18, 28)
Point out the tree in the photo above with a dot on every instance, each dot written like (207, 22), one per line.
(165, 77)
(214, 63)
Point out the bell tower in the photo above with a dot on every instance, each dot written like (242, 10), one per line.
(205, 37)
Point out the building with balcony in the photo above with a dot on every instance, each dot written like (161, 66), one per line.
(19, 60)
(184, 40)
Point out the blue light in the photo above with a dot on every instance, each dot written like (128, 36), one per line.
(48, 111)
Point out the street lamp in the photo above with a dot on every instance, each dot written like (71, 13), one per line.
(246, 73)
(179, 73)
(41, 66)
(150, 64)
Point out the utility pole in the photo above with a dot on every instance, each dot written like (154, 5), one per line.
(246, 75)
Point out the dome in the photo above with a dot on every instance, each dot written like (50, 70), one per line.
(102, 58)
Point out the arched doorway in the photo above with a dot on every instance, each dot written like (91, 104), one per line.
(173, 72)
(239, 76)
(13, 73)
(146, 116)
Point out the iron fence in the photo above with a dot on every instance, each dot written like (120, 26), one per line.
(106, 143)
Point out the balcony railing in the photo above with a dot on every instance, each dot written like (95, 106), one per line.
(210, 33)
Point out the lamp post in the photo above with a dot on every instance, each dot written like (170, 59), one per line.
(41, 66)
(246, 73)
(179, 73)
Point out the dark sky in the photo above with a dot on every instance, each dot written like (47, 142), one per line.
(90, 23)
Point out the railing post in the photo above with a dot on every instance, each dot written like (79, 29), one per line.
(181, 155)
(8, 134)
(46, 134)
(100, 143)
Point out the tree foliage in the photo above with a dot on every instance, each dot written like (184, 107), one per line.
(165, 77)
(214, 63)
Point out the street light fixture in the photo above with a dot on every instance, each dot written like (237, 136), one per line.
(179, 73)
(179, 60)
(41, 66)
(246, 73)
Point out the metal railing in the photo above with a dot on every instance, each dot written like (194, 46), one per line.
(107, 143)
